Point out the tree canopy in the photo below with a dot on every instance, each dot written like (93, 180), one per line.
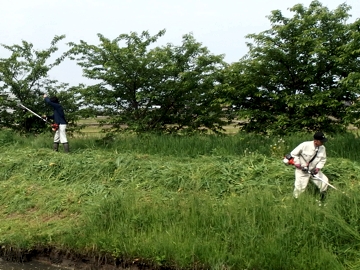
(167, 89)
(23, 80)
(292, 78)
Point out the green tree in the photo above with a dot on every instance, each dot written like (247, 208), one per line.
(23, 80)
(352, 81)
(291, 78)
(163, 89)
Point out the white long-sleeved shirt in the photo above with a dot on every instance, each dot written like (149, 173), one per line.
(304, 152)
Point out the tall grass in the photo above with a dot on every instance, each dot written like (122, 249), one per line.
(252, 231)
(344, 145)
(201, 202)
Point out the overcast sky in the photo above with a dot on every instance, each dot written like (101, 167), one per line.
(220, 25)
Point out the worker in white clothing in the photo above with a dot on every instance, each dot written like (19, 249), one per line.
(309, 159)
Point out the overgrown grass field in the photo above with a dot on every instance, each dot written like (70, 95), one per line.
(176, 202)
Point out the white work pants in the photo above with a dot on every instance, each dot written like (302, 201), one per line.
(302, 180)
(60, 134)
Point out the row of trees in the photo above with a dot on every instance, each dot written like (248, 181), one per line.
(302, 74)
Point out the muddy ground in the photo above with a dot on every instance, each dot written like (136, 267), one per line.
(72, 261)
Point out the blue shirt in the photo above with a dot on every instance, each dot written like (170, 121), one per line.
(59, 115)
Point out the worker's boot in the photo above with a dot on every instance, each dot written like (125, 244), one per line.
(66, 147)
(322, 196)
(56, 147)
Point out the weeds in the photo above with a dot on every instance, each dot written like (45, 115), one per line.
(202, 202)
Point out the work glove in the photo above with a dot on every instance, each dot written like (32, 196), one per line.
(298, 166)
(315, 171)
(305, 169)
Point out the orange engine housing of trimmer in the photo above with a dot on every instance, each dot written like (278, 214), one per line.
(288, 160)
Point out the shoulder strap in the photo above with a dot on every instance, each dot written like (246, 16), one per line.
(316, 151)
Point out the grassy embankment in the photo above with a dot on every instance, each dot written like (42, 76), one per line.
(201, 202)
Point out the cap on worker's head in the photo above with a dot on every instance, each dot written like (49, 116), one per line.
(54, 99)
(320, 137)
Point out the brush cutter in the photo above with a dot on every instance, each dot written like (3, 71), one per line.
(289, 160)
(54, 126)
(317, 177)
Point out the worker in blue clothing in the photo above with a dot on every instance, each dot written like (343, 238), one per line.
(59, 119)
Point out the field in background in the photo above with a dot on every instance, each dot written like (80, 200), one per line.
(92, 126)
